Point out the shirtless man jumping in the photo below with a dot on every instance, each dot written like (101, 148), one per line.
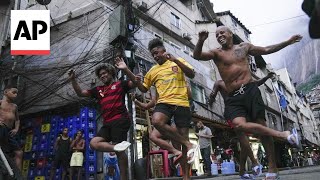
(244, 97)
(246, 151)
(9, 124)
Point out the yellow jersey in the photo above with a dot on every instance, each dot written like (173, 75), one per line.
(170, 83)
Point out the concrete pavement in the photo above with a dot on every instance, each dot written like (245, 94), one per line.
(305, 173)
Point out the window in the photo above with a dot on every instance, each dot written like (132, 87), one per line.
(198, 93)
(175, 20)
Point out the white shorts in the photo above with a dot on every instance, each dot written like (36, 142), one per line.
(76, 159)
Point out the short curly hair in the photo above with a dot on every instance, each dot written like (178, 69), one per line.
(155, 43)
(108, 67)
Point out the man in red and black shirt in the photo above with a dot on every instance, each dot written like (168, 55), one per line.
(113, 134)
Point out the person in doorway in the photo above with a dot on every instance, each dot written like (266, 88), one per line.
(168, 76)
(244, 97)
(62, 154)
(205, 136)
(9, 124)
(112, 135)
(77, 147)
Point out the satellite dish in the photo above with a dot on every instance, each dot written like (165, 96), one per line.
(43, 2)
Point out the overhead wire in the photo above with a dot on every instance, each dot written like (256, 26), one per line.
(158, 8)
(34, 99)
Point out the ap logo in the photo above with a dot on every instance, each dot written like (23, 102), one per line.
(30, 32)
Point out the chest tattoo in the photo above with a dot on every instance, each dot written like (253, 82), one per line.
(240, 53)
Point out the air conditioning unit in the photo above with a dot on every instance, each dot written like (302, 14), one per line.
(142, 6)
(186, 36)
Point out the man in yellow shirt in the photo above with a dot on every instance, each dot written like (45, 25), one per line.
(168, 76)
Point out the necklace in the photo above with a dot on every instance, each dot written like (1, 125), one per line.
(102, 93)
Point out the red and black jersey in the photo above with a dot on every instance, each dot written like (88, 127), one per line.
(111, 99)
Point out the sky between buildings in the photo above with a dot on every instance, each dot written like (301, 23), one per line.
(270, 21)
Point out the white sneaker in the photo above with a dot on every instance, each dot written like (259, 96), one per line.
(121, 146)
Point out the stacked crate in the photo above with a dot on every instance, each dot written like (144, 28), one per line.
(88, 124)
(40, 139)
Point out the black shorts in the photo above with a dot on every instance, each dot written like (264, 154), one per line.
(182, 115)
(10, 143)
(115, 131)
(61, 159)
(249, 104)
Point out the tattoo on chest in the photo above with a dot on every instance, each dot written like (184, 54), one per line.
(240, 53)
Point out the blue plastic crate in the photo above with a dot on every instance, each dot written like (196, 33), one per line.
(52, 140)
(50, 159)
(43, 146)
(34, 155)
(55, 119)
(39, 172)
(92, 124)
(77, 120)
(92, 114)
(70, 127)
(91, 155)
(91, 166)
(31, 173)
(44, 137)
(53, 128)
(36, 131)
(84, 125)
(84, 112)
(28, 123)
(35, 147)
(61, 119)
(70, 120)
(90, 176)
(27, 155)
(41, 154)
(47, 171)
(48, 165)
(51, 152)
(91, 133)
(33, 163)
(62, 125)
(35, 138)
(57, 176)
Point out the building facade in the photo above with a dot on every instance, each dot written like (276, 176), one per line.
(81, 34)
